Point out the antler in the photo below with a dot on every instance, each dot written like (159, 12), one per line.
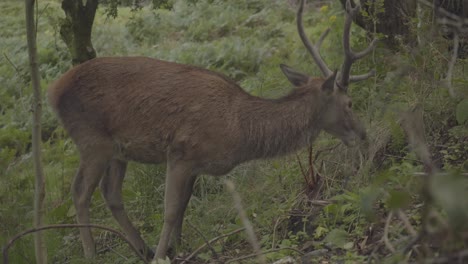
(350, 57)
(313, 49)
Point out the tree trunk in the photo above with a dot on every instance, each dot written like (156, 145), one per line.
(393, 20)
(76, 28)
(458, 8)
(39, 194)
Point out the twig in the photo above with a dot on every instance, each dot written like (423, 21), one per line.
(451, 65)
(194, 253)
(303, 171)
(414, 241)
(213, 251)
(58, 226)
(320, 202)
(273, 239)
(117, 253)
(107, 248)
(385, 235)
(245, 221)
(320, 151)
(263, 253)
(403, 158)
(12, 64)
(404, 218)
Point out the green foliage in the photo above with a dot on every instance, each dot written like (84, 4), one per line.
(398, 199)
(245, 40)
(447, 190)
(339, 238)
(462, 112)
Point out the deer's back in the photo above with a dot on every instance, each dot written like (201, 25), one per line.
(147, 107)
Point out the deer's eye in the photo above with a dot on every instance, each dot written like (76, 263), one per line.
(350, 104)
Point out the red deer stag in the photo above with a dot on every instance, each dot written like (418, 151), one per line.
(196, 121)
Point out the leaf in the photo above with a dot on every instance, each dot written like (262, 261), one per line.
(368, 199)
(348, 246)
(337, 237)
(59, 211)
(448, 191)
(398, 199)
(71, 211)
(320, 231)
(462, 112)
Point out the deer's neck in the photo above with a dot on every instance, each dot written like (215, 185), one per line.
(278, 127)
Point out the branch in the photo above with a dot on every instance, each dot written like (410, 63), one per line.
(207, 243)
(263, 253)
(404, 218)
(12, 64)
(451, 65)
(194, 253)
(59, 226)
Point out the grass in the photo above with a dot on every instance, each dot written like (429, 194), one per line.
(245, 40)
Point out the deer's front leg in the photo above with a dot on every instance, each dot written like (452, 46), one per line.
(180, 176)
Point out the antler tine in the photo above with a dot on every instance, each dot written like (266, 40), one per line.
(313, 49)
(350, 56)
(362, 77)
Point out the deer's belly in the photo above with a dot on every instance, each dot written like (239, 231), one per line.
(219, 167)
(144, 153)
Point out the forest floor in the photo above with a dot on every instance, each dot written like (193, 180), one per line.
(375, 202)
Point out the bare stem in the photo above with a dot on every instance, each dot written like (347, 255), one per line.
(245, 221)
(387, 242)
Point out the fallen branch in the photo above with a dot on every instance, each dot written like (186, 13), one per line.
(60, 226)
(263, 253)
(194, 253)
(404, 218)
(207, 243)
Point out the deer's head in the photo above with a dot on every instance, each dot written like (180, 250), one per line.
(337, 116)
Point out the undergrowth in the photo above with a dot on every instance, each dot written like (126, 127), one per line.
(360, 187)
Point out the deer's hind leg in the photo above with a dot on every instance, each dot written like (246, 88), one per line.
(111, 186)
(93, 163)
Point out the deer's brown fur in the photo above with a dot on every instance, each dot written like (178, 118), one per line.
(155, 107)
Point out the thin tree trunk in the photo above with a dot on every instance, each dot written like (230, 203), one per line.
(39, 194)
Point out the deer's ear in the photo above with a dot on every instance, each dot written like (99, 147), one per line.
(296, 78)
(329, 84)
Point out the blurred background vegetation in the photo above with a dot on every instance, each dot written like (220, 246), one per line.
(370, 202)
